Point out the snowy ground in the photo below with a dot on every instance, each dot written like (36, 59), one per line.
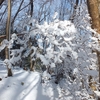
(26, 85)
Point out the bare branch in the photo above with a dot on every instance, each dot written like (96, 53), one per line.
(1, 1)
(25, 7)
(17, 12)
(3, 13)
(31, 2)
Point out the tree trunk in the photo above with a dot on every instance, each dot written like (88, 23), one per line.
(31, 61)
(99, 7)
(32, 65)
(8, 29)
(9, 72)
(94, 14)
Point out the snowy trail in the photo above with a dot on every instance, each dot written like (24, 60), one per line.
(23, 85)
(30, 92)
(26, 85)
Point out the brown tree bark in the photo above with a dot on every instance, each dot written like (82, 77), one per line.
(8, 29)
(94, 14)
(99, 6)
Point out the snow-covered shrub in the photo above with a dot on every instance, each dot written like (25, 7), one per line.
(67, 50)
(82, 72)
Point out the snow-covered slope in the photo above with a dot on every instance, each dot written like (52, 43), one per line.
(22, 86)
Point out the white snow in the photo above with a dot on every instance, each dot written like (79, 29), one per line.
(25, 85)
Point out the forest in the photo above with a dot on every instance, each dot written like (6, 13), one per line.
(49, 49)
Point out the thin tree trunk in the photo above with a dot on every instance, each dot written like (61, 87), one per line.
(31, 14)
(31, 61)
(8, 29)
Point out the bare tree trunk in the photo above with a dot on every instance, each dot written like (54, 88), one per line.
(8, 29)
(31, 61)
(98, 56)
(94, 13)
